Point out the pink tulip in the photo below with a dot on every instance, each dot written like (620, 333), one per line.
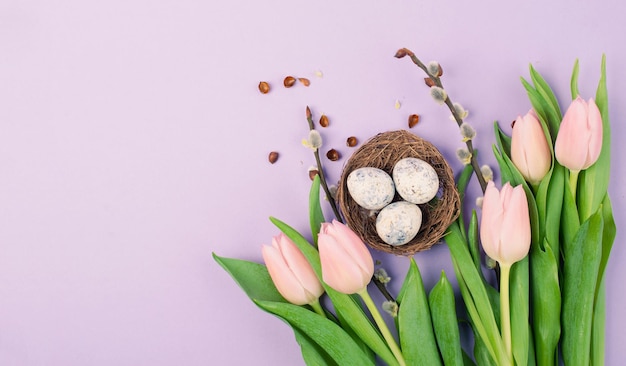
(529, 148)
(347, 264)
(291, 272)
(505, 226)
(579, 140)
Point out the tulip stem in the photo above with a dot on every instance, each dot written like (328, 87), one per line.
(573, 182)
(318, 308)
(505, 312)
(391, 342)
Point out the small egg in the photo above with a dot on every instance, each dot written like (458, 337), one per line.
(416, 181)
(399, 222)
(371, 188)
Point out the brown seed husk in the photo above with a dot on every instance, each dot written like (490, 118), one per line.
(383, 151)
(413, 120)
(289, 81)
(264, 87)
(304, 81)
(324, 121)
(333, 155)
(352, 141)
(313, 173)
(273, 157)
(429, 82)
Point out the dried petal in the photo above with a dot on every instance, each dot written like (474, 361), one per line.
(352, 141)
(333, 155)
(324, 121)
(304, 81)
(273, 157)
(264, 87)
(289, 81)
(413, 120)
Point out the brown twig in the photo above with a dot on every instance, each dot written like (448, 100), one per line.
(436, 81)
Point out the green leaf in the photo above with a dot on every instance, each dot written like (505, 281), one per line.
(316, 216)
(546, 301)
(312, 353)
(541, 107)
(520, 300)
(328, 335)
(580, 274)
(598, 332)
(350, 309)
(472, 237)
(417, 338)
(503, 141)
(574, 81)
(553, 110)
(252, 277)
(443, 312)
(462, 182)
(475, 295)
(594, 182)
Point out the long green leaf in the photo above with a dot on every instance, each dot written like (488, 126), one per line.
(546, 300)
(312, 353)
(574, 81)
(520, 301)
(580, 278)
(316, 216)
(443, 311)
(328, 335)
(475, 295)
(417, 338)
(253, 278)
(356, 319)
(553, 111)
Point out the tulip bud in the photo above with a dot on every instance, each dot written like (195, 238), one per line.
(291, 272)
(579, 140)
(529, 148)
(347, 264)
(505, 223)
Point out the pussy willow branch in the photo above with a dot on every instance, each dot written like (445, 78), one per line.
(437, 81)
(320, 171)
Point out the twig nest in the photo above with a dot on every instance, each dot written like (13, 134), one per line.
(383, 152)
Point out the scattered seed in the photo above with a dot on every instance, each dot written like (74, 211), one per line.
(429, 82)
(351, 141)
(319, 74)
(324, 121)
(304, 81)
(264, 87)
(273, 157)
(413, 120)
(397, 105)
(289, 81)
(333, 155)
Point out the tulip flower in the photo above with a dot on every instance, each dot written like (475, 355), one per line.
(529, 148)
(291, 272)
(347, 265)
(505, 235)
(579, 140)
(505, 226)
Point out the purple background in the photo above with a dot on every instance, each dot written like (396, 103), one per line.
(134, 142)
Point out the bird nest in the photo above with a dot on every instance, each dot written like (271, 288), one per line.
(382, 152)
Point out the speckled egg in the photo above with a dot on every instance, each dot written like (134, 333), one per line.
(398, 222)
(416, 181)
(370, 188)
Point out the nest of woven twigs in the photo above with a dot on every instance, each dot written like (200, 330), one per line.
(382, 152)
